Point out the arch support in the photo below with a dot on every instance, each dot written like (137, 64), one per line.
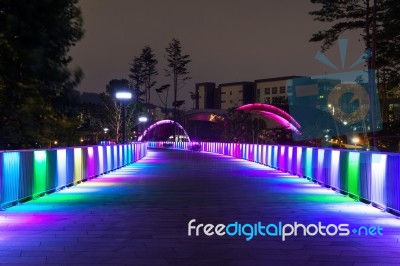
(163, 122)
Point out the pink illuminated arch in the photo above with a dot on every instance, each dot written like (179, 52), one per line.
(161, 123)
(274, 113)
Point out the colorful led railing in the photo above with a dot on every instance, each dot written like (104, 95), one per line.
(368, 176)
(29, 173)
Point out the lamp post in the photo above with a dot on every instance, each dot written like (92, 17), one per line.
(123, 96)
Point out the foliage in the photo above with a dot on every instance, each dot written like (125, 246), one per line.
(36, 86)
(143, 73)
(177, 67)
(378, 19)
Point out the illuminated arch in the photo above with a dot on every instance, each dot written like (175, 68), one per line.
(161, 123)
(274, 113)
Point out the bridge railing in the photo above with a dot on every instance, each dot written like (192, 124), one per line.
(368, 176)
(27, 174)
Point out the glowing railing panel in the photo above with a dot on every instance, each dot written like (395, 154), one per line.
(29, 173)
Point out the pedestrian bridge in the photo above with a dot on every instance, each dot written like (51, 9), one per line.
(135, 205)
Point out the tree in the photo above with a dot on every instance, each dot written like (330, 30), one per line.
(149, 63)
(136, 78)
(379, 21)
(143, 73)
(35, 38)
(177, 67)
(159, 91)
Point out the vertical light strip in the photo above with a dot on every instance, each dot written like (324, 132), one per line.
(121, 155)
(61, 167)
(378, 178)
(109, 158)
(100, 160)
(115, 156)
(282, 161)
(334, 169)
(10, 177)
(90, 163)
(353, 173)
(299, 155)
(275, 156)
(320, 166)
(270, 154)
(290, 159)
(308, 167)
(77, 164)
(39, 172)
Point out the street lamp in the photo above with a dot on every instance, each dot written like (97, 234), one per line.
(123, 96)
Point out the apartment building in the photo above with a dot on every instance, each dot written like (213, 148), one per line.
(236, 94)
(224, 96)
(272, 90)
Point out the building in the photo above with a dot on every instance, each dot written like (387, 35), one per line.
(208, 96)
(224, 96)
(272, 90)
(236, 94)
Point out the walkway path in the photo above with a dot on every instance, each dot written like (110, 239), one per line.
(139, 215)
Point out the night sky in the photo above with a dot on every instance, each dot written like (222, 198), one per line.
(228, 40)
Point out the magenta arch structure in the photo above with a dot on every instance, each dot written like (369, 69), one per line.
(274, 113)
(162, 122)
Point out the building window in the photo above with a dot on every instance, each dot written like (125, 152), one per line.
(223, 92)
(240, 91)
(267, 91)
(282, 90)
(274, 90)
(230, 93)
(230, 101)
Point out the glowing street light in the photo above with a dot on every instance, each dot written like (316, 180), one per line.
(143, 119)
(355, 141)
(123, 96)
